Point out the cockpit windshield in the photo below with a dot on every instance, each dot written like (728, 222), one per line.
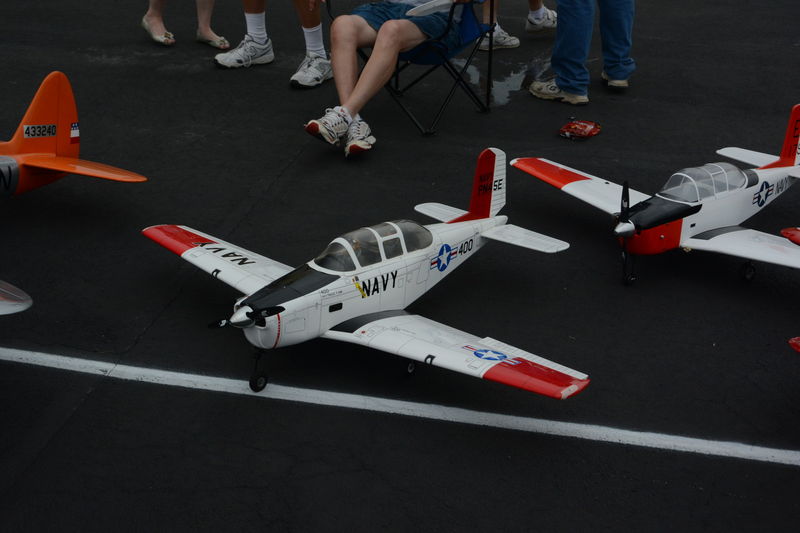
(368, 246)
(698, 183)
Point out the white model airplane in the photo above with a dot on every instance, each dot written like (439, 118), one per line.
(356, 289)
(12, 299)
(698, 209)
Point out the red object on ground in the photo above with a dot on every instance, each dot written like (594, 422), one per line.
(579, 129)
(795, 343)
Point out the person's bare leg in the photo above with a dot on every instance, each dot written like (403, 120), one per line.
(153, 22)
(348, 34)
(204, 10)
(393, 37)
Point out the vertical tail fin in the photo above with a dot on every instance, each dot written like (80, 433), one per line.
(790, 153)
(51, 123)
(488, 187)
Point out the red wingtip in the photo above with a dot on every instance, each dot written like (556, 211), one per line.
(525, 374)
(176, 239)
(555, 175)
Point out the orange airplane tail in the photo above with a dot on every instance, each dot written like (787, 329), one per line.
(46, 144)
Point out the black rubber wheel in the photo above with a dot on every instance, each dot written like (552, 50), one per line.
(628, 273)
(258, 382)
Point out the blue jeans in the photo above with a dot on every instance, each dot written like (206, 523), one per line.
(574, 37)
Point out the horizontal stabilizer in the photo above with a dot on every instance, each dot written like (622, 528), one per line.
(511, 234)
(440, 212)
(73, 165)
(749, 157)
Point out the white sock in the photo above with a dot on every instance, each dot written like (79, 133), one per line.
(257, 26)
(537, 14)
(315, 45)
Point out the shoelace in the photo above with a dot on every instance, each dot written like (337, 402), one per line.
(360, 131)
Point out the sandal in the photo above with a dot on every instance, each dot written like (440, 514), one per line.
(167, 39)
(221, 42)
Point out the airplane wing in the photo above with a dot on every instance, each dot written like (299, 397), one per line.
(595, 191)
(750, 157)
(13, 299)
(426, 341)
(747, 243)
(243, 270)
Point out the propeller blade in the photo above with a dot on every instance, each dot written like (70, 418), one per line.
(218, 324)
(625, 203)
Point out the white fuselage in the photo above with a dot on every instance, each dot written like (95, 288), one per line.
(731, 208)
(389, 285)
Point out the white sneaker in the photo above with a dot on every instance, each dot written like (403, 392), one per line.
(249, 52)
(501, 39)
(312, 72)
(331, 127)
(547, 22)
(548, 90)
(359, 138)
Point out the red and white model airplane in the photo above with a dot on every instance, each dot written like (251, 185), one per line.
(44, 149)
(356, 289)
(699, 208)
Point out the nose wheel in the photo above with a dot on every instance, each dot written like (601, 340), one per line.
(260, 377)
(628, 268)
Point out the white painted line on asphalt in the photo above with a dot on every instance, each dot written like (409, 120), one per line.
(591, 432)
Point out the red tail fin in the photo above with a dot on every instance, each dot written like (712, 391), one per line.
(50, 125)
(488, 187)
(790, 153)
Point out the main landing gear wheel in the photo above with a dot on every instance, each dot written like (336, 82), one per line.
(748, 271)
(258, 382)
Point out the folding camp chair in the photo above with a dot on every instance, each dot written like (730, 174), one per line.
(434, 53)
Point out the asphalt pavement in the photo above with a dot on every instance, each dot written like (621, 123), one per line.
(690, 351)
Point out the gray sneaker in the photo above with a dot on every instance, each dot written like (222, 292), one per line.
(312, 72)
(359, 138)
(547, 22)
(619, 85)
(501, 39)
(548, 90)
(331, 127)
(249, 52)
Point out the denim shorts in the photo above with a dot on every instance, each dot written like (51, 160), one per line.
(432, 25)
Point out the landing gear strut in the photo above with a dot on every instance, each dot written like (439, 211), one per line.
(628, 268)
(259, 378)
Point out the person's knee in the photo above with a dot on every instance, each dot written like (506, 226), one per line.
(392, 33)
(344, 29)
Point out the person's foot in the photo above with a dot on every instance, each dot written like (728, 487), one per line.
(331, 127)
(312, 72)
(212, 39)
(359, 138)
(548, 90)
(501, 39)
(157, 31)
(548, 21)
(249, 52)
(618, 85)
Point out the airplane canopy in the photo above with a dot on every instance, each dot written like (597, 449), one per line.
(370, 245)
(698, 183)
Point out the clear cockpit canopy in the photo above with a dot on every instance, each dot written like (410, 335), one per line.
(371, 245)
(694, 184)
